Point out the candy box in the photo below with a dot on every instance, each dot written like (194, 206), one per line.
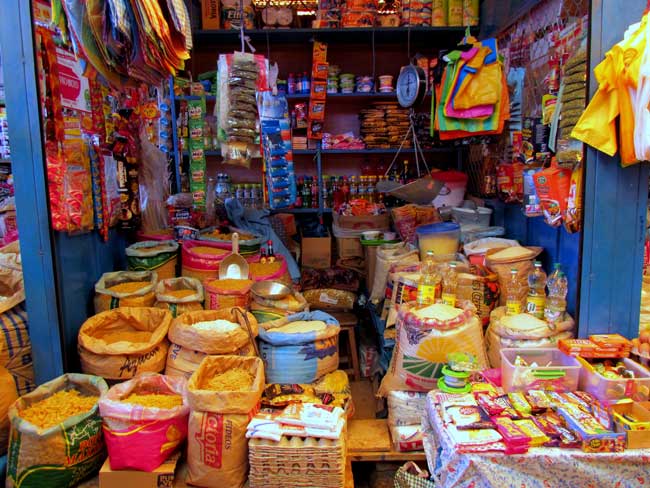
(633, 419)
(593, 436)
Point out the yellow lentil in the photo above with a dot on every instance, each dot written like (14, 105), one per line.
(231, 285)
(236, 379)
(128, 286)
(154, 400)
(264, 269)
(214, 251)
(180, 293)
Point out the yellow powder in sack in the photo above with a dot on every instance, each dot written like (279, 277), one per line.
(236, 379)
(264, 269)
(55, 409)
(129, 286)
(111, 336)
(180, 293)
(154, 400)
(213, 251)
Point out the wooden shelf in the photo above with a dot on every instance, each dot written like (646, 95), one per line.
(369, 440)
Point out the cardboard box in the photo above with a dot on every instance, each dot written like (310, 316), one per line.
(363, 222)
(638, 432)
(316, 252)
(161, 477)
(349, 247)
(211, 14)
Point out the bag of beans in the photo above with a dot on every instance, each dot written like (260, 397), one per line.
(56, 436)
(125, 289)
(227, 293)
(195, 335)
(8, 395)
(158, 256)
(122, 343)
(224, 393)
(179, 295)
(201, 259)
(145, 420)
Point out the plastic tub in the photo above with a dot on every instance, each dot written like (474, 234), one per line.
(555, 371)
(611, 390)
(452, 192)
(442, 238)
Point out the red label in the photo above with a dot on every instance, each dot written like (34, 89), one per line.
(69, 82)
(210, 438)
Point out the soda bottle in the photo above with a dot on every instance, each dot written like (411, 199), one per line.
(354, 189)
(306, 83)
(361, 188)
(299, 185)
(536, 291)
(450, 285)
(429, 281)
(314, 193)
(345, 189)
(513, 294)
(556, 301)
(324, 192)
(291, 84)
(306, 193)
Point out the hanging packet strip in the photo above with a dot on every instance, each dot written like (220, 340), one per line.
(196, 121)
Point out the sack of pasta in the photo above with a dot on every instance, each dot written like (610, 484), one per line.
(300, 348)
(195, 335)
(8, 395)
(56, 433)
(125, 289)
(122, 343)
(158, 256)
(224, 393)
(425, 336)
(145, 420)
(179, 295)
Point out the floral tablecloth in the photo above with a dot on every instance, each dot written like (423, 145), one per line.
(539, 468)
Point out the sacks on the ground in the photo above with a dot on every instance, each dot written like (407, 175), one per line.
(191, 344)
(522, 331)
(8, 395)
(425, 336)
(119, 344)
(302, 354)
(143, 437)
(403, 254)
(266, 310)
(125, 289)
(158, 256)
(502, 261)
(63, 455)
(16, 348)
(179, 295)
(217, 449)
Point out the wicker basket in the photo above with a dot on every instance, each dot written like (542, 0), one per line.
(297, 462)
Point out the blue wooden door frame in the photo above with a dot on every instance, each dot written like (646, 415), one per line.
(23, 117)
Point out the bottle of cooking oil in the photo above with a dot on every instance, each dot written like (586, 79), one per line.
(429, 281)
(536, 291)
(450, 285)
(513, 294)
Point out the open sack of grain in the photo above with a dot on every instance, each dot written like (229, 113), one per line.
(522, 331)
(201, 259)
(56, 436)
(145, 420)
(223, 395)
(179, 295)
(158, 256)
(266, 309)
(425, 336)
(299, 348)
(125, 289)
(195, 335)
(119, 344)
(227, 293)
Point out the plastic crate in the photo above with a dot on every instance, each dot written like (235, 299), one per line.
(554, 371)
(613, 390)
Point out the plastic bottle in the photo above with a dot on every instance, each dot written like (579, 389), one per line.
(558, 286)
(429, 281)
(306, 193)
(306, 83)
(513, 294)
(354, 189)
(361, 189)
(314, 193)
(450, 285)
(370, 189)
(345, 189)
(299, 185)
(536, 291)
(291, 84)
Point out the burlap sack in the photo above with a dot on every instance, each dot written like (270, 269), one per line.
(502, 266)
(178, 306)
(158, 256)
(8, 395)
(481, 287)
(182, 333)
(217, 448)
(120, 343)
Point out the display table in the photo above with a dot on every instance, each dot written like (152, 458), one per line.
(369, 440)
(539, 468)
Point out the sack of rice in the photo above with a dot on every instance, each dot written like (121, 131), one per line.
(200, 259)
(158, 256)
(300, 348)
(501, 261)
(330, 299)
(16, 348)
(425, 336)
(195, 335)
(481, 287)
(56, 436)
(122, 343)
(227, 293)
(145, 420)
(179, 295)
(8, 395)
(224, 393)
(125, 289)
(522, 331)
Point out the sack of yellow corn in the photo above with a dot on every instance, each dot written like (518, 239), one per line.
(8, 395)
(179, 295)
(224, 391)
(200, 259)
(227, 293)
(158, 256)
(145, 420)
(125, 289)
(122, 343)
(56, 433)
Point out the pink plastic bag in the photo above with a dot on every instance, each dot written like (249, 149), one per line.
(139, 437)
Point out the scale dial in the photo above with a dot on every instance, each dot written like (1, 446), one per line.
(411, 86)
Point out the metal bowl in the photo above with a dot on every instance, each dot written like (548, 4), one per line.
(271, 290)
